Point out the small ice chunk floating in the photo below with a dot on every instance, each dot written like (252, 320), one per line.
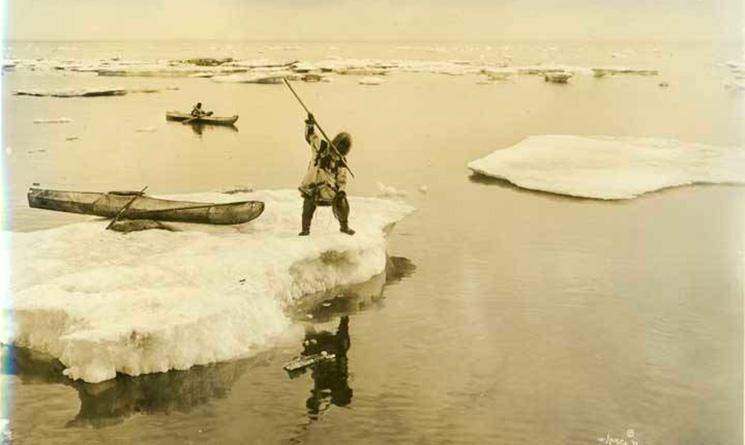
(82, 92)
(105, 303)
(560, 77)
(56, 120)
(611, 71)
(610, 168)
(370, 81)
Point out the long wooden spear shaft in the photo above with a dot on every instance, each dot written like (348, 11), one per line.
(323, 133)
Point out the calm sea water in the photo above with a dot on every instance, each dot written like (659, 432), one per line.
(505, 316)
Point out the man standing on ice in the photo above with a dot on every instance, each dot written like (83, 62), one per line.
(326, 179)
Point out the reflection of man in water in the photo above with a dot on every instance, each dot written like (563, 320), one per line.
(329, 377)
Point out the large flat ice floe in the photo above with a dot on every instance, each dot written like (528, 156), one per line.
(611, 168)
(104, 302)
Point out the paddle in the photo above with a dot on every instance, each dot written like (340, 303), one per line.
(188, 121)
(323, 133)
(125, 208)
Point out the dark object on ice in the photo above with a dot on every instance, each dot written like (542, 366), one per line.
(208, 61)
(213, 120)
(557, 77)
(136, 225)
(144, 207)
(312, 77)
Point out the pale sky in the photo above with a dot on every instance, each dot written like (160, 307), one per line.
(375, 19)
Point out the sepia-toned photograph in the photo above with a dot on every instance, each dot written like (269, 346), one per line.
(372, 222)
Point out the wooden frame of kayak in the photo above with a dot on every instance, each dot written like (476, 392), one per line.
(109, 204)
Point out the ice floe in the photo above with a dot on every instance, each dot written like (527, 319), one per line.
(238, 188)
(268, 77)
(737, 73)
(82, 92)
(615, 71)
(208, 61)
(386, 191)
(611, 168)
(314, 77)
(58, 120)
(89, 92)
(104, 302)
(499, 74)
(734, 85)
(561, 77)
(151, 90)
(371, 81)
(250, 69)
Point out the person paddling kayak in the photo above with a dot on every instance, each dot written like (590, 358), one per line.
(197, 111)
(325, 181)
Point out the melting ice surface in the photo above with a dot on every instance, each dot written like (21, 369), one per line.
(611, 168)
(104, 302)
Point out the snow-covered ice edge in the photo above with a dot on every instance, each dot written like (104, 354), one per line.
(603, 167)
(105, 303)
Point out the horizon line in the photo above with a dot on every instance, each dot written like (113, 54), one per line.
(385, 39)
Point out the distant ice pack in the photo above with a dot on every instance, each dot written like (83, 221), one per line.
(267, 71)
(610, 168)
(104, 303)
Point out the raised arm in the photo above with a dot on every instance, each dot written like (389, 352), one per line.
(309, 128)
(316, 143)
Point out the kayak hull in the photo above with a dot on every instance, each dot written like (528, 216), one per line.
(211, 120)
(109, 204)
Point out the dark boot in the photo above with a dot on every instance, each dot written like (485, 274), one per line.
(341, 211)
(346, 229)
(309, 207)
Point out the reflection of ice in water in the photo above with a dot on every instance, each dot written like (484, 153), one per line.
(327, 336)
(111, 402)
(108, 403)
